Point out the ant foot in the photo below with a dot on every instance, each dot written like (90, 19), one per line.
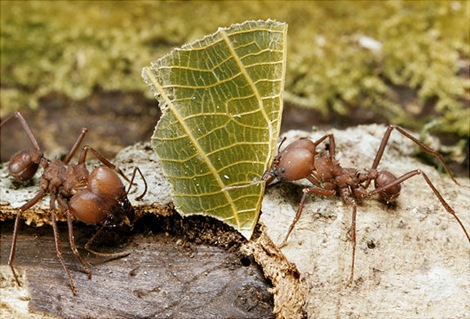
(283, 244)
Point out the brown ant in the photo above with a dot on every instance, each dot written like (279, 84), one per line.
(300, 160)
(98, 197)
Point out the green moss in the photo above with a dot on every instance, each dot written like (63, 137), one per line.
(75, 48)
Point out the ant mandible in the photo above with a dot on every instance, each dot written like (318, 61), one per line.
(98, 197)
(300, 160)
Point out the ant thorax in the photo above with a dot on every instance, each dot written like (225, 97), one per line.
(76, 177)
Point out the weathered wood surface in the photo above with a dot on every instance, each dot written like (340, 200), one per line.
(163, 277)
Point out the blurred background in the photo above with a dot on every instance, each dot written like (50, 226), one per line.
(67, 65)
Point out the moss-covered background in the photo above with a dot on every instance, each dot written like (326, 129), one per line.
(405, 62)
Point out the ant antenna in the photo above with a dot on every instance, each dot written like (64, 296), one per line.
(266, 178)
(25, 127)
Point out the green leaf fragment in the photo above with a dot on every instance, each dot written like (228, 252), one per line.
(221, 101)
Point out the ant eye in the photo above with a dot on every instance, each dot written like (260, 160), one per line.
(361, 176)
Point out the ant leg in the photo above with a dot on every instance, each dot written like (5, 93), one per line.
(102, 159)
(306, 192)
(408, 175)
(23, 208)
(424, 147)
(132, 182)
(353, 239)
(75, 146)
(26, 127)
(13, 247)
(332, 144)
(92, 239)
(112, 255)
(75, 251)
(57, 244)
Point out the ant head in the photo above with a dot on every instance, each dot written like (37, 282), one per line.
(24, 164)
(104, 199)
(304, 143)
(91, 209)
(389, 194)
(296, 161)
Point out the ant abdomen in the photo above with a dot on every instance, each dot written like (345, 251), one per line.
(24, 164)
(389, 194)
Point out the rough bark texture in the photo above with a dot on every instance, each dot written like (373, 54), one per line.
(289, 290)
(162, 277)
(411, 260)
